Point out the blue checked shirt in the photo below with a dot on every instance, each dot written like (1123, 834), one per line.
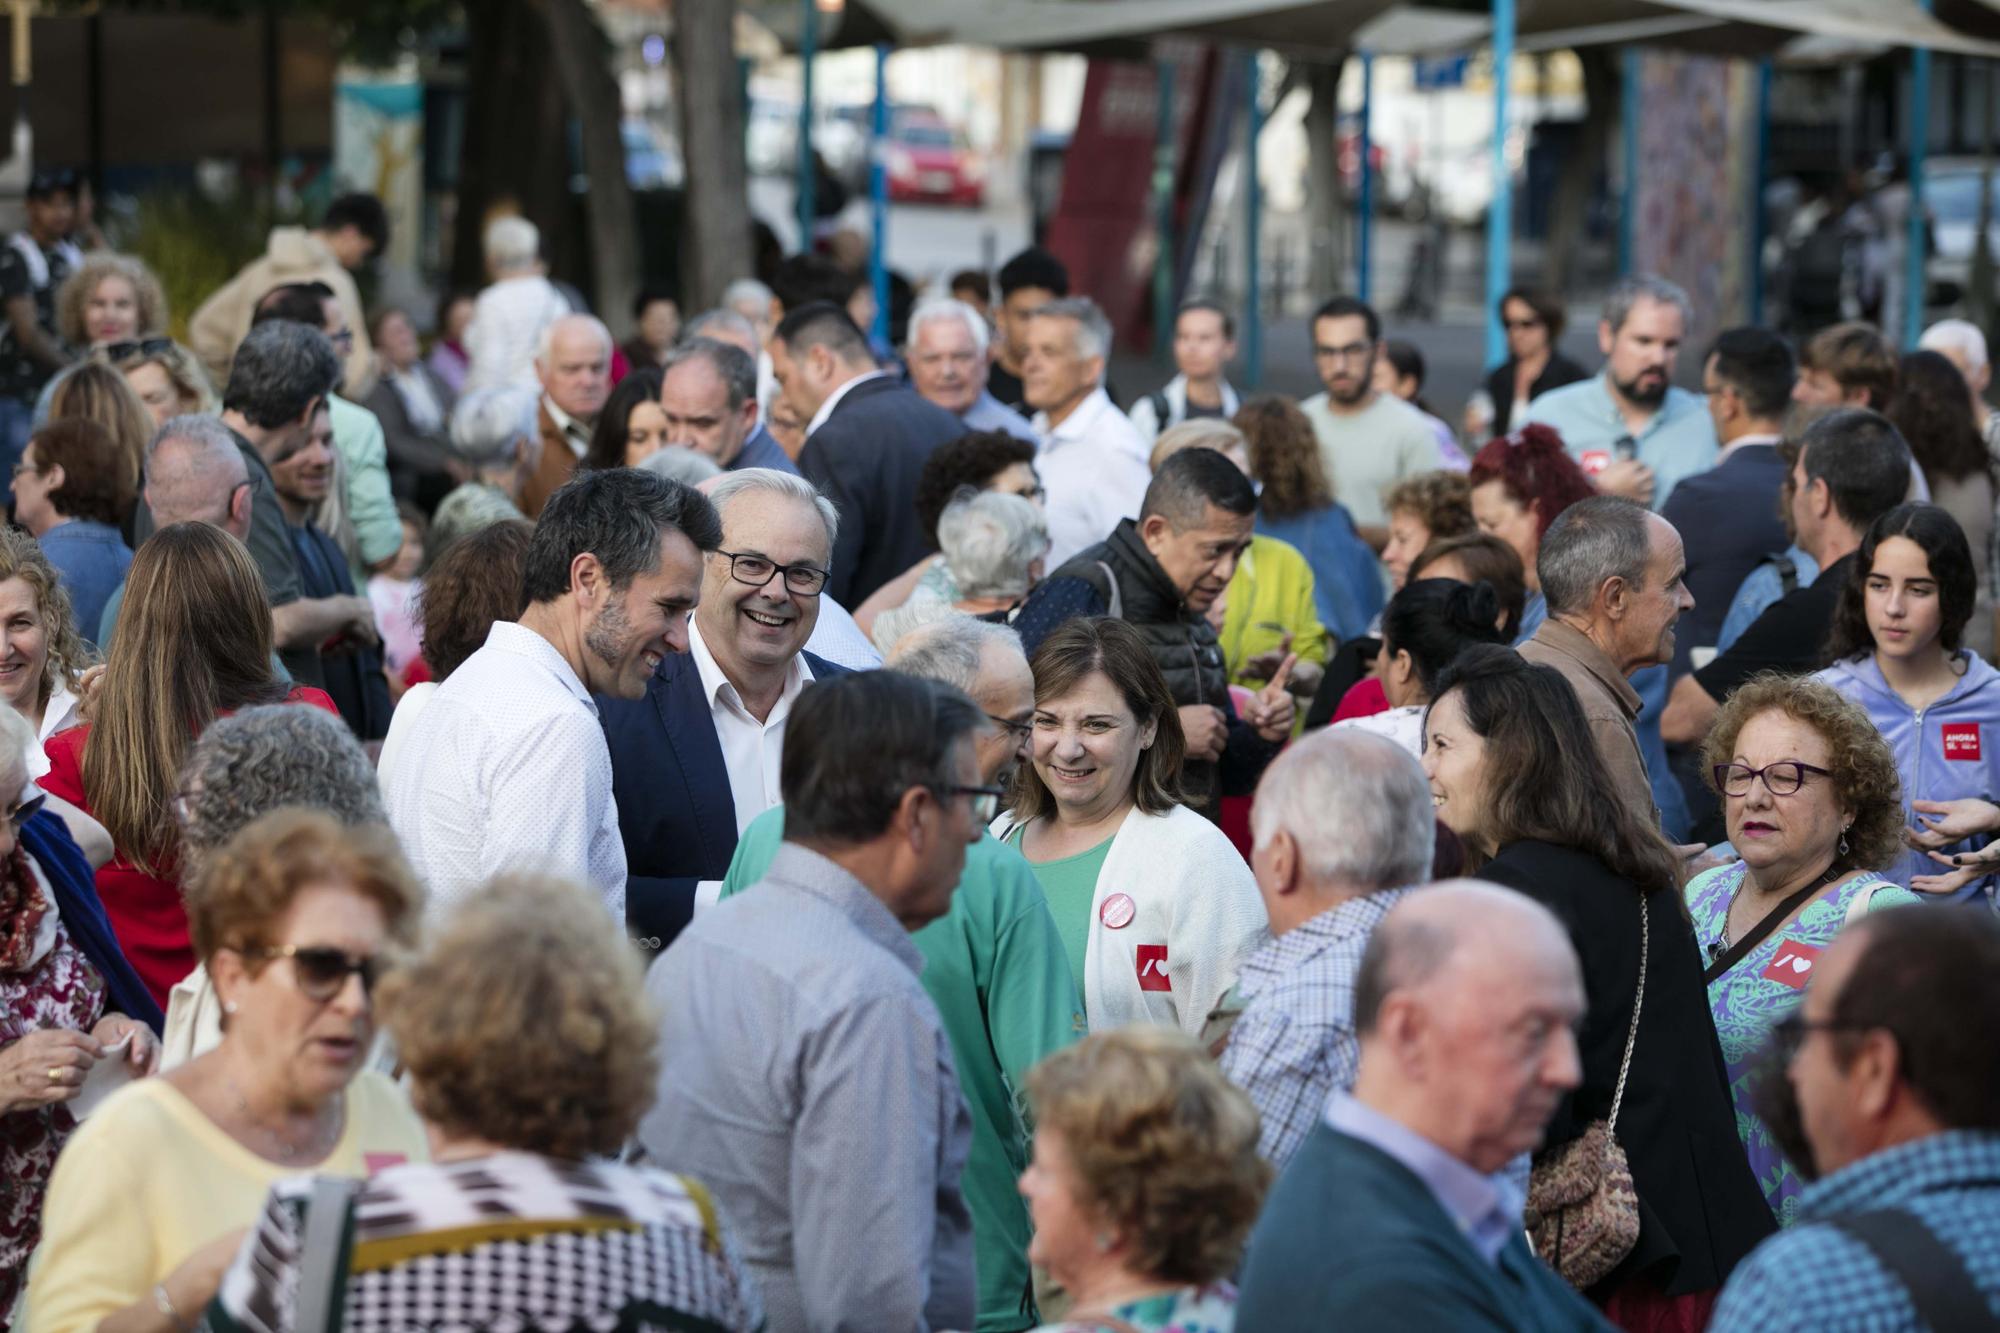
(1294, 1046)
(1814, 1276)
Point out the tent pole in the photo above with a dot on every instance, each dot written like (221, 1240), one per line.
(807, 181)
(1364, 250)
(1253, 221)
(1915, 288)
(1628, 155)
(1163, 206)
(1500, 212)
(878, 197)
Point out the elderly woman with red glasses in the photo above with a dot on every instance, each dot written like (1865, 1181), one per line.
(1810, 796)
(295, 921)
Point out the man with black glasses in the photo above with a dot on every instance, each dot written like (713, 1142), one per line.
(696, 759)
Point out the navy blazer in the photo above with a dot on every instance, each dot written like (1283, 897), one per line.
(866, 457)
(1728, 520)
(675, 811)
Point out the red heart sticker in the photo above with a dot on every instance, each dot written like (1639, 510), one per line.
(1152, 964)
(1117, 912)
(1793, 965)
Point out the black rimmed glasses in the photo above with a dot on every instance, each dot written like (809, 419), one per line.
(321, 970)
(1783, 778)
(1789, 1033)
(1020, 731)
(985, 800)
(756, 570)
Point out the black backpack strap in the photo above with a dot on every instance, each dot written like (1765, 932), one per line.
(1788, 571)
(1935, 1278)
(1158, 399)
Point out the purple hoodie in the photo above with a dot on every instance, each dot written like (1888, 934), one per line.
(1946, 752)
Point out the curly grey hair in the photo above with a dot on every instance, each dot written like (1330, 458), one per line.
(266, 758)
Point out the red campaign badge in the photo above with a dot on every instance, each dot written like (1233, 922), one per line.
(1594, 461)
(1152, 964)
(375, 1163)
(1961, 741)
(1117, 912)
(1793, 965)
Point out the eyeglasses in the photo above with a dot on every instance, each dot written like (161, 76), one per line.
(118, 351)
(27, 810)
(1020, 731)
(1783, 778)
(985, 800)
(344, 338)
(1789, 1033)
(321, 971)
(1351, 352)
(756, 571)
(1030, 493)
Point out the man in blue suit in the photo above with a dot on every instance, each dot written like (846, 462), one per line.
(1393, 1214)
(868, 436)
(697, 759)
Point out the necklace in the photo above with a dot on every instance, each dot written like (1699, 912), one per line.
(325, 1133)
(1721, 945)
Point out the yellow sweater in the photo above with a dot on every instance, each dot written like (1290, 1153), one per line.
(149, 1179)
(1270, 593)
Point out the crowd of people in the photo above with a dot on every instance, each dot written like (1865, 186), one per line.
(752, 827)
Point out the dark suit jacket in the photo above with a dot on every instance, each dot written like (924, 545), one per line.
(675, 811)
(867, 457)
(416, 460)
(1351, 1240)
(1700, 1209)
(1728, 521)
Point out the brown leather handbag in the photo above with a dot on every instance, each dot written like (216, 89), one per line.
(1583, 1213)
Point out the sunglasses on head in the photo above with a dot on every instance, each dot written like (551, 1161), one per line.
(321, 970)
(118, 351)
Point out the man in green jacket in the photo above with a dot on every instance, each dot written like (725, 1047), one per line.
(994, 964)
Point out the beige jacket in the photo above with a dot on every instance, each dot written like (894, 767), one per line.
(293, 255)
(1609, 704)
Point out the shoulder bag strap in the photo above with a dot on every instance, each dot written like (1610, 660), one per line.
(1638, 1003)
(1859, 907)
(1935, 1278)
(323, 1256)
(1758, 933)
(1114, 600)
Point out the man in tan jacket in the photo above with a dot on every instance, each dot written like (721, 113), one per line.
(354, 230)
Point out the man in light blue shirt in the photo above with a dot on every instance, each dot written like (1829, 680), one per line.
(1630, 428)
(948, 357)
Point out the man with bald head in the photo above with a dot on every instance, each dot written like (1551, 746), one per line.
(573, 363)
(1391, 1215)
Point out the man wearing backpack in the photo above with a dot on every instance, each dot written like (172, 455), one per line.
(1204, 342)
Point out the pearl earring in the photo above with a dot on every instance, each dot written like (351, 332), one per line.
(229, 1008)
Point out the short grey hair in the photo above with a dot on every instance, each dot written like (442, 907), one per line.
(1093, 329)
(266, 758)
(1601, 538)
(1956, 335)
(772, 481)
(1639, 287)
(949, 648)
(940, 308)
(721, 324)
(193, 484)
(1357, 804)
(989, 540)
(545, 341)
(736, 368)
(488, 423)
(689, 467)
(512, 244)
(748, 291)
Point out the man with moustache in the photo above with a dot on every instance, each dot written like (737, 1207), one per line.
(1368, 440)
(1629, 427)
(695, 757)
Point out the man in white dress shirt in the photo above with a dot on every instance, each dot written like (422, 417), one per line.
(1092, 463)
(507, 769)
(696, 759)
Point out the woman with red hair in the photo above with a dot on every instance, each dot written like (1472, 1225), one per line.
(1520, 482)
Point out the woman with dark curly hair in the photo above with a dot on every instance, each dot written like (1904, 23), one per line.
(1520, 483)
(633, 425)
(1144, 1184)
(1896, 651)
(1934, 414)
(1429, 507)
(1814, 809)
(981, 460)
(530, 1054)
(1296, 505)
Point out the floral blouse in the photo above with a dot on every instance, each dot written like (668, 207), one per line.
(1764, 986)
(1210, 1309)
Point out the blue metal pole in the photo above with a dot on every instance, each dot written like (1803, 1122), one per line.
(1628, 174)
(1364, 254)
(1500, 212)
(878, 197)
(808, 48)
(1253, 226)
(1163, 205)
(1915, 288)
(1760, 168)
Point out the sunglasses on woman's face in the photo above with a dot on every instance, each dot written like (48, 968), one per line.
(321, 970)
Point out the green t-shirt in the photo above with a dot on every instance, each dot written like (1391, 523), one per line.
(994, 966)
(1070, 884)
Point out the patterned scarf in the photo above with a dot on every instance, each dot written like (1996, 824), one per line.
(22, 907)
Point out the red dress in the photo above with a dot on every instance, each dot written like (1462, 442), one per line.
(146, 911)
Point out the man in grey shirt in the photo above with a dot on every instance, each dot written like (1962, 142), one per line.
(805, 1076)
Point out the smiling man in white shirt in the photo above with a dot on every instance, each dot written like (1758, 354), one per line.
(507, 769)
(1093, 463)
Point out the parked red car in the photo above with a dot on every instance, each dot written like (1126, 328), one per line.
(928, 162)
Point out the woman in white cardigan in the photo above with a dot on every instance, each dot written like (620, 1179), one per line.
(1156, 908)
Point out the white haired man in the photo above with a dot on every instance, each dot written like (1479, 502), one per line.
(573, 365)
(949, 354)
(508, 318)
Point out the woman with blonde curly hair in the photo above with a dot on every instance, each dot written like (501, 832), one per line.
(110, 298)
(1144, 1184)
(165, 375)
(530, 1055)
(297, 921)
(41, 654)
(1429, 507)
(1814, 809)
